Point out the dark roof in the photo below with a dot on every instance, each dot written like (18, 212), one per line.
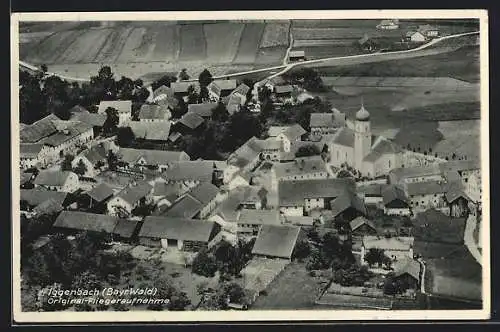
(100, 192)
(52, 178)
(39, 129)
(154, 112)
(29, 150)
(36, 196)
(191, 120)
(345, 201)
(425, 188)
(359, 221)
(409, 266)
(125, 227)
(177, 228)
(122, 106)
(204, 192)
(95, 154)
(186, 207)
(460, 165)
(283, 89)
(86, 221)
(189, 170)
(155, 131)
(393, 192)
(293, 193)
(245, 153)
(182, 87)
(276, 241)
(152, 157)
(49, 206)
(77, 109)
(134, 193)
(229, 208)
(169, 190)
(218, 86)
(374, 189)
(300, 166)
(420, 171)
(380, 149)
(165, 96)
(242, 89)
(345, 137)
(203, 110)
(455, 190)
(294, 132)
(93, 119)
(259, 217)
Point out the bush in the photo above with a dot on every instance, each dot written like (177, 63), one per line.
(204, 264)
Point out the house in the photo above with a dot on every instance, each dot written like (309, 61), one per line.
(305, 168)
(220, 88)
(181, 88)
(295, 56)
(124, 108)
(290, 135)
(30, 199)
(65, 181)
(306, 221)
(403, 175)
(347, 207)
(234, 103)
(367, 44)
(372, 193)
(407, 274)
(428, 31)
(189, 123)
(94, 159)
(245, 158)
(190, 173)
(95, 120)
(30, 154)
(154, 132)
(203, 110)
(186, 207)
(164, 96)
(283, 92)
(415, 36)
(118, 229)
(178, 233)
(98, 197)
(388, 25)
(396, 248)
(327, 123)
(298, 198)
(156, 158)
(241, 91)
(58, 137)
(275, 241)
(250, 221)
(129, 198)
(361, 227)
(270, 148)
(165, 194)
(240, 179)
(154, 113)
(457, 200)
(198, 203)
(426, 195)
(395, 201)
(174, 137)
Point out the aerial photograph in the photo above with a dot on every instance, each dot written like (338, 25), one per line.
(250, 165)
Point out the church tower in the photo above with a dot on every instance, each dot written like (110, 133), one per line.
(362, 137)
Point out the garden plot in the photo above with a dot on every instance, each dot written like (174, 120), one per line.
(249, 43)
(192, 41)
(222, 41)
(167, 42)
(270, 56)
(275, 34)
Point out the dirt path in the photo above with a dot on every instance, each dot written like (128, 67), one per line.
(469, 242)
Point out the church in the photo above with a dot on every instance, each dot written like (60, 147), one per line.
(371, 155)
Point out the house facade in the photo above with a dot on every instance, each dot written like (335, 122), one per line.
(64, 181)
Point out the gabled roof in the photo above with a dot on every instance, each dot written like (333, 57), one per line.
(229, 208)
(37, 130)
(155, 131)
(276, 241)
(191, 120)
(203, 110)
(222, 85)
(300, 166)
(52, 178)
(371, 190)
(165, 96)
(125, 228)
(408, 266)
(50, 206)
(279, 89)
(122, 106)
(86, 221)
(382, 148)
(169, 190)
(152, 157)
(134, 193)
(359, 221)
(460, 165)
(294, 132)
(186, 207)
(30, 150)
(95, 154)
(177, 229)
(204, 192)
(245, 153)
(154, 112)
(189, 170)
(344, 137)
(296, 53)
(35, 197)
(345, 201)
(182, 87)
(241, 89)
(174, 136)
(100, 192)
(274, 131)
(425, 188)
(391, 243)
(293, 193)
(93, 119)
(393, 192)
(233, 104)
(259, 217)
(454, 191)
(78, 109)
(410, 172)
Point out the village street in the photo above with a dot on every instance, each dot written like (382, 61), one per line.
(469, 242)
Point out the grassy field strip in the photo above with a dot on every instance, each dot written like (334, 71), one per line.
(222, 41)
(167, 42)
(43, 52)
(81, 51)
(129, 50)
(275, 34)
(249, 43)
(192, 41)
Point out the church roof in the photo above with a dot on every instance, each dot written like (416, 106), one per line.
(345, 137)
(382, 148)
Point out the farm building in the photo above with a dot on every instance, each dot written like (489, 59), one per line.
(178, 233)
(94, 159)
(283, 92)
(157, 132)
(30, 155)
(298, 198)
(181, 88)
(204, 110)
(305, 168)
(294, 56)
(426, 195)
(372, 193)
(299, 220)
(154, 113)
(186, 207)
(429, 31)
(30, 199)
(388, 25)
(220, 88)
(95, 120)
(189, 123)
(415, 36)
(327, 123)
(402, 175)
(242, 92)
(245, 158)
(361, 226)
(407, 275)
(290, 135)
(158, 158)
(65, 181)
(124, 108)
(97, 198)
(251, 220)
(234, 103)
(395, 201)
(347, 207)
(197, 203)
(275, 241)
(396, 248)
(458, 201)
(165, 194)
(164, 96)
(129, 198)
(240, 179)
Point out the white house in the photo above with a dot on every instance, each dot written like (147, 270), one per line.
(396, 248)
(124, 108)
(154, 113)
(129, 198)
(290, 135)
(91, 158)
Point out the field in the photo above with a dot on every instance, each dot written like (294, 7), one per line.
(135, 49)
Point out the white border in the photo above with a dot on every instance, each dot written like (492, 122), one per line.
(228, 316)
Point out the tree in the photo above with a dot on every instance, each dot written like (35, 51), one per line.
(374, 256)
(80, 168)
(112, 160)
(164, 80)
(204, 264)
(112, 120)
(125, 136)
(302, 250)
(220, 113)
(205, 78)
(193, 96)
(307, 150)
(125, 88)
(264, 94)
(44, 68)
(178, 301)
(183, 75)
(66, 163)
(234, 292)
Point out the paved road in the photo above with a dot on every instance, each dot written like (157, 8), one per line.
(469, 242)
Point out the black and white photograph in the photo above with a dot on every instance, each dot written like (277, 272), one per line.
(305, 165)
